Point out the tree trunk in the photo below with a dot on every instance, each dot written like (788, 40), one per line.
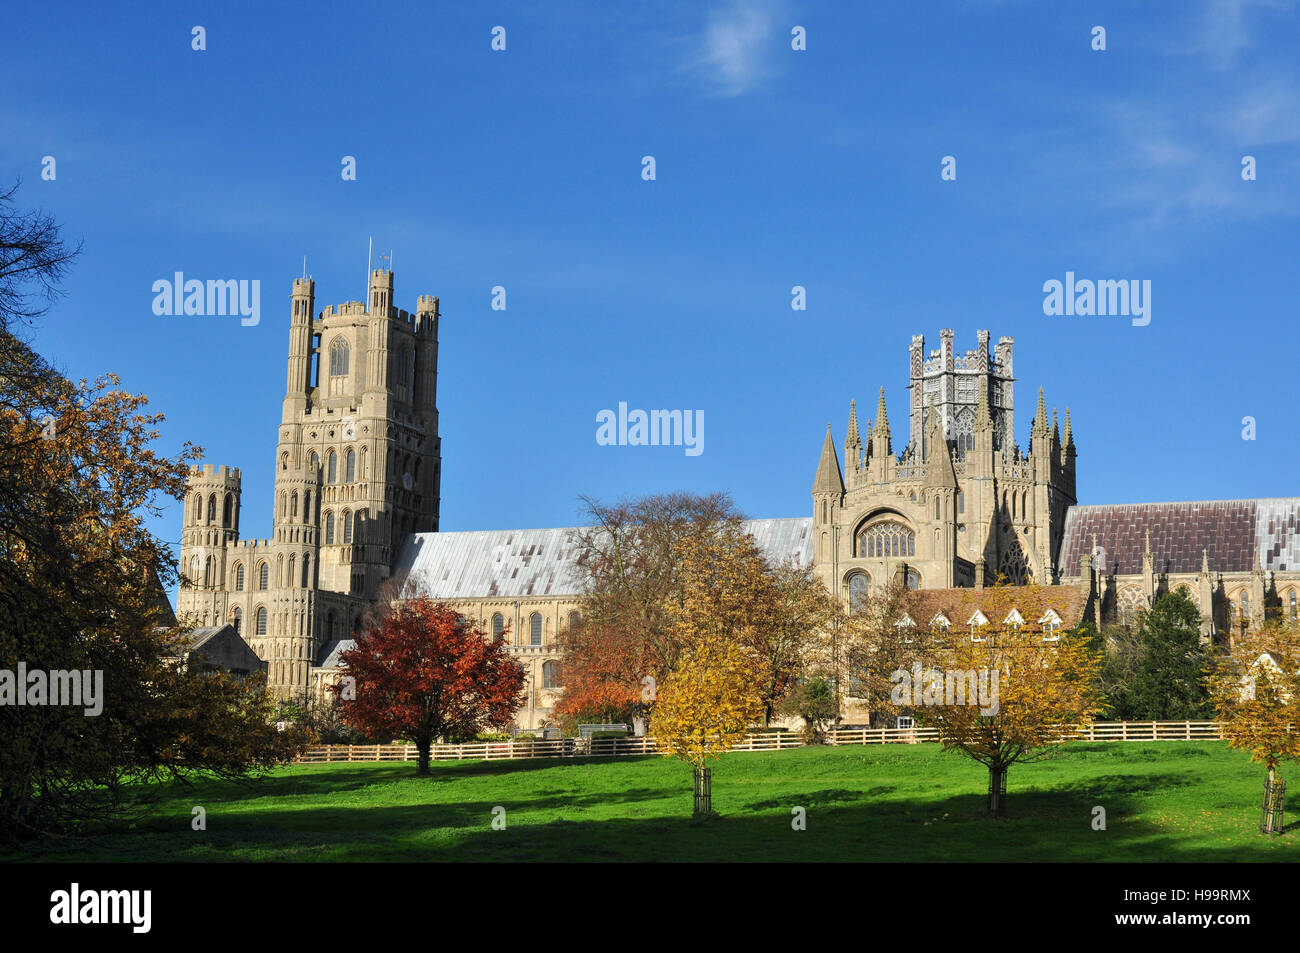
(703, 792)
(422, 747)
(997, 789)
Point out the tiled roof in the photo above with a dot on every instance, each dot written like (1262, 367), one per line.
(1032, 602)
(1233, 531)
(511, 563)
(330, 652)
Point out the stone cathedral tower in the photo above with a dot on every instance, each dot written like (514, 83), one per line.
(358, 465)
(960, 504)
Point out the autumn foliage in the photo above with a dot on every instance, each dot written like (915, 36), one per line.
(1256, 690)
(424, 673)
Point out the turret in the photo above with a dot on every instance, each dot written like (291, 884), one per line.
(302, 303)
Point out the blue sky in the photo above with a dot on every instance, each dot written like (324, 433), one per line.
(774, 168)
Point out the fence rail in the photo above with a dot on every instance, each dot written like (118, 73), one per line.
(759, 741)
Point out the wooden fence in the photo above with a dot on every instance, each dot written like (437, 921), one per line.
(765, 741)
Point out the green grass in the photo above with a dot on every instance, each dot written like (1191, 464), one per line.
(1165, 801)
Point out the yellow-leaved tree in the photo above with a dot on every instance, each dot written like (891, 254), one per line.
(712, 697)
(1256, 691)
(1012, 690)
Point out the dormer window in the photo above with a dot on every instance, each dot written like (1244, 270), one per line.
(977, 622)
(1051, 623)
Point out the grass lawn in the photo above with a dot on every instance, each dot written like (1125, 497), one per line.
(1164, 801)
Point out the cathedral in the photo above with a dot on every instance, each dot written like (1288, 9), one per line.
(957, 509)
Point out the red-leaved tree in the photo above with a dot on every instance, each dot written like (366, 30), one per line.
(423, 673)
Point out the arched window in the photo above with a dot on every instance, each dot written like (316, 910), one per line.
(239, 577)
(329, 528)
(936, 506)
(237, 620)
(293, 506)
(263, 576)
(196, 570)
(339, 353)
(550, 674)
(859, 588)
(332, 468)
(347, 526)
(293, 569)
(351, 468)
(886, 538)
(227, 512)
(306, 571)
(306, 506)
(212, 508)
(208, 578)
(535, 629)
(197, 514)
(314, 460)
(575, 619)
(260, 621)
(913, 579)
(498, 627)
(362, 472)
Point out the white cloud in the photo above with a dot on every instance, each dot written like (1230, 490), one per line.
(736, 51)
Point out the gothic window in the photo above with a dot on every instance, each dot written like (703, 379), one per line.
(332, 469)
(350, 470)
(498, 627)
(887, 538)
(198, 508)
(228, 511)
(315, 461)
(859, 588)
(263, 576)
(936, 507)
(306, 506)
(1014, 564)
(196, 568)
(550, 674)
(293, 506)
(535, 629)
(574, 619)
(402, 372)
(362, 472)
(1131, 601)
(339, 354)
(239, 577)
(261, 621)
(306, 571)
(293, 566)
(913, 579)
(237, 620)
(212, 508)
(964, 428)
(329, 528)
(347, 526)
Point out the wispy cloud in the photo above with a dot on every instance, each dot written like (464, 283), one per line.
(1226, 28)
(738, 48)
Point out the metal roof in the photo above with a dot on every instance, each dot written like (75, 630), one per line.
(511, 563)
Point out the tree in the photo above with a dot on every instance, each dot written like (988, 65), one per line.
(33, 260)
(626, 643)
(790, 635)
(877, 645)
(1043, 690)
(711, 697)
(82, 588)
(813, 700)
(1255, 690)
(425, 673)
(1158, 673)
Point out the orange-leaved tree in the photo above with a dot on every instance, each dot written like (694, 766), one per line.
(425, 673)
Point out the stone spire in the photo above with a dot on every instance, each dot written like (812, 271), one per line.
(1056, 431)
(829, 479)
(882, 418)
(1040, 418)
(1069, 431)
(853, 441)
(939, 471)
